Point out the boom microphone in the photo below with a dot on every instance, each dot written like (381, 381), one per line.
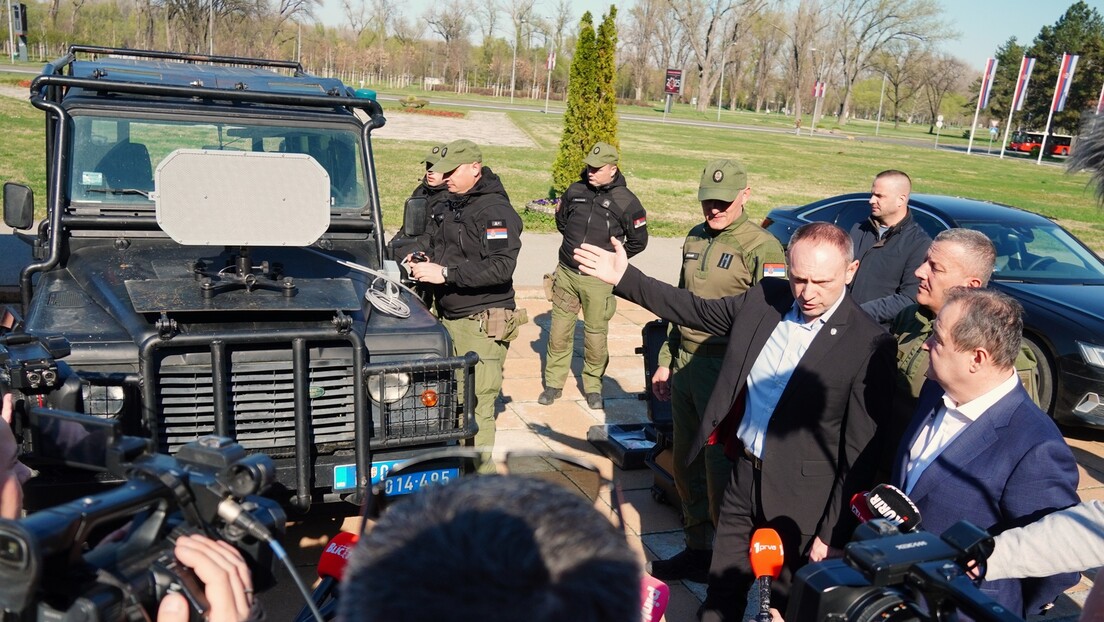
(860, 506)
(766, 563)
(890, 503)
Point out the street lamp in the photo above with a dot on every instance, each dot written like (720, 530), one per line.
(513, 63)
(878, 125)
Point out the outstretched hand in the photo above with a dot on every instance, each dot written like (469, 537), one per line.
(598, 262)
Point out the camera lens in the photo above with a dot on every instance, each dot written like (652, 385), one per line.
(883, 606)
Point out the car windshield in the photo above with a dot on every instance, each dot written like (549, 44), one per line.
(114, 158)
(1040, 253)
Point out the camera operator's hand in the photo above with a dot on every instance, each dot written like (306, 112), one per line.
(227, 583)
(12, 472)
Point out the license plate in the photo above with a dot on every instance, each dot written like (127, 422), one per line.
(345, 477)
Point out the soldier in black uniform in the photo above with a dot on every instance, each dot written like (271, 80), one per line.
(472, 254)
(435, 191)
(594, 209)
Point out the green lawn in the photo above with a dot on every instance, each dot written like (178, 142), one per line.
(662, 163)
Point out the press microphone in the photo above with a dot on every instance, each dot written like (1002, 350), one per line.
(654, 595)
(766, 563)
(860, 507)
(890, 503)
(331, 564)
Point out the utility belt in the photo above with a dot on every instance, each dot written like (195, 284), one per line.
(710, 349)
(500, 324)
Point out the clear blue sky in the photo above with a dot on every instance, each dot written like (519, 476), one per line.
(982, 24)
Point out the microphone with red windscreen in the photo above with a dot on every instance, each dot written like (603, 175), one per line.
(766, 557)
(331, 564)
(860, 507)
(890, 503)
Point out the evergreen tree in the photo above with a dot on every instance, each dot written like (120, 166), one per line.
(1009, 56)
(1079, 31)
(605, 118)
(582, 104)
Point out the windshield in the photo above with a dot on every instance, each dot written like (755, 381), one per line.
(114, 158)
(1039, 253)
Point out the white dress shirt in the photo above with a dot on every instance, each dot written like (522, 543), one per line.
(949, 421)
(772, 370)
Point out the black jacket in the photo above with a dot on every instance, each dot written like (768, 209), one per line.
(478, 237)
(885, 282)
(594, 215)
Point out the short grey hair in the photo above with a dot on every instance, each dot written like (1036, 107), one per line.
(981, 255)
(989, 320)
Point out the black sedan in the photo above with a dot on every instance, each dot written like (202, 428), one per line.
(1059, 281)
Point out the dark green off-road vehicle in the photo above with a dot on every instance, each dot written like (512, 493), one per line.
(213, 253)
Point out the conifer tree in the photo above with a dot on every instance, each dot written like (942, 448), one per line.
(605, 118)
(582, 103)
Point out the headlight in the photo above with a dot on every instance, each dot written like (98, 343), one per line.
(1093, 355)
(103, 401)
(388, 388)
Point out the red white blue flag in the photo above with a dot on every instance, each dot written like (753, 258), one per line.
(819, 88)
(987, 82)
(1065, 78)
(1018, 97)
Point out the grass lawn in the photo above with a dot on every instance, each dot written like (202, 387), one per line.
(662, 163)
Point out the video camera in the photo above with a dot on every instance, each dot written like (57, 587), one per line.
(884, 575)
(51, 566)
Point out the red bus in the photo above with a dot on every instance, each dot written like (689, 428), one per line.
(1057, 144)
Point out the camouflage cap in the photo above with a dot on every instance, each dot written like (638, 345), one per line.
(722, 180)
(456, 153)
(433, 156)
(600, 155)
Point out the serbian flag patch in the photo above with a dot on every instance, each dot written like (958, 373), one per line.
(639, 222)
(497, 233)
(774, 269)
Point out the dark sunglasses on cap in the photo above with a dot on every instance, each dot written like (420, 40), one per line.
(447, 465)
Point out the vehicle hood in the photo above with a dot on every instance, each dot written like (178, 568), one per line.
(1081, 304)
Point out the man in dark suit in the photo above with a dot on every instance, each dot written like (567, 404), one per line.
(806, 378)
(978, 449)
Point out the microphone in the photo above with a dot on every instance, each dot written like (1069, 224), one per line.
(890, 503)
(654, 595)
(331, 564)
(860, 506)
(766, 563)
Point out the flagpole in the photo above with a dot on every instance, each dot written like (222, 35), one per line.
(985, 82)
(1012, 108)
(549, 64)
(1053, 105)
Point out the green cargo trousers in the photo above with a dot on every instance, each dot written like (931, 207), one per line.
(700, 484)
(469, 335)
(571, 293)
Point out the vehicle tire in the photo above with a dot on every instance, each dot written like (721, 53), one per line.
(1047, 375)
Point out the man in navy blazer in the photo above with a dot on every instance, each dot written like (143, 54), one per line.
(807, 378)
(978, 449)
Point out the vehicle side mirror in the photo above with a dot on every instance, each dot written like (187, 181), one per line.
(415, 215)
(18, 206)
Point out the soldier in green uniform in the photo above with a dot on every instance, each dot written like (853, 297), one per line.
(723, 256)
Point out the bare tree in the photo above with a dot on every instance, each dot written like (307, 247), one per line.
(803, 35)
(864, 26)
(640, 40)
(901, 63)
(942, 74)
(766, 41)
(451, 24)
(711, 26)
(487, 17)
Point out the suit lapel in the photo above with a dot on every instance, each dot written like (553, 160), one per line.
(830, 337)
(970, 445)
(928, 403)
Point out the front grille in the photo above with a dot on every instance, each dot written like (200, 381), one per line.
(260, 400)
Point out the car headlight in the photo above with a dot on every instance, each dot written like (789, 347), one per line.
(388, 388)
(1093, 355)
(103, 401)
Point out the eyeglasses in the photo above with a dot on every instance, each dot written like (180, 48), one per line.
(446, 465)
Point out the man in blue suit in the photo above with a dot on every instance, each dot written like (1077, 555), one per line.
(978, 448)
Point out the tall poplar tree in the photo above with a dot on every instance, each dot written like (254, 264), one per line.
(582, 103)
(605, 118)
